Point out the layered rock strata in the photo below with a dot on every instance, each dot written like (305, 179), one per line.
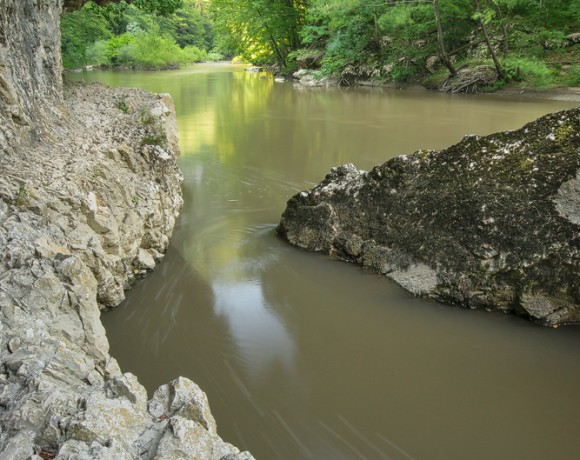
(89, 195)
(80, 217)
(492, 222)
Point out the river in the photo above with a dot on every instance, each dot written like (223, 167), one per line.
(306, 357)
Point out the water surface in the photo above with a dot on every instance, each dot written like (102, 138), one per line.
(306, 357)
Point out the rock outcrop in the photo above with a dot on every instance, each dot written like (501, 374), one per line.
(80, 217)
(30, 71)
(89, 195)
(492, 222)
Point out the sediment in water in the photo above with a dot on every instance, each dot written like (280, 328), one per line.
(492, 222)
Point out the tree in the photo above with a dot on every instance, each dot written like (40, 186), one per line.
(442, 50)
(191, 26)
(484, 18)
(263, 31)
(163, 7)
(80, 29)
(155, 6)
(121, 34)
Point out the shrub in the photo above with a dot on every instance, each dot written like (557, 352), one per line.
(528, 71)
(153, 51)
(213, 57)
(573, 77)
(117, 48)
(96, 54)
(193, 54)
(79, 30)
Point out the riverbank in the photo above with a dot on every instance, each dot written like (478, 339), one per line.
(309, 78)
(83, 212)
(570, 94)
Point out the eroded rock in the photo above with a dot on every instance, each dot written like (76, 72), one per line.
(89, 195)
(492, 222)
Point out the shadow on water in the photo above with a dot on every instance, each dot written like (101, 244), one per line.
(306, 357)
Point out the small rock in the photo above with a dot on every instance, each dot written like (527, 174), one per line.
(145, 259)
(13, 344)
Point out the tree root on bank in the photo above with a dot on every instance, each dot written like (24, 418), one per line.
(470, 80)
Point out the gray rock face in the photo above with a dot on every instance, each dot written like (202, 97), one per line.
(80, 218)
(492, 222)
(89, 195)
(29, 46)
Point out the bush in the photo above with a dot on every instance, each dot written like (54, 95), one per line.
(573, 77)
(194, 54)
(152, 51)
(97, 54)
(529, 71)
(213, 57)
(117, 48)
(80, 30)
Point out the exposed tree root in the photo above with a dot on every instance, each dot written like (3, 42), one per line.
(470, 80)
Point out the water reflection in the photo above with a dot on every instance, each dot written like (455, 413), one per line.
(260, 335)
(307, 357)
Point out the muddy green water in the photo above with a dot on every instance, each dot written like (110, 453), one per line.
(305, 357)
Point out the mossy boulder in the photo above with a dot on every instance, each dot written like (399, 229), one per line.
(492, 222)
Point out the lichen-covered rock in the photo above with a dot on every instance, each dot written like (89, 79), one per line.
(492, 222)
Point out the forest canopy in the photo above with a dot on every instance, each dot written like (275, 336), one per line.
(533, 41)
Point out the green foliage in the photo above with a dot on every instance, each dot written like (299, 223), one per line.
(191, 27)
(316, 28)
(214, 57)
(262, 31)
(121, 104)
(163, 7)
(125, 35)
(352, 36)
(159, 139)
(408, 31)
(152, 50)
(97, 53)
(194, 54)
(79, 30)
(22, 197)
(397, 37)
(528, 71)
(573, 76)
(118, 48)
(391, 39)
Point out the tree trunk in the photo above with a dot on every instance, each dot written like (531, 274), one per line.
(504, 30)
(442, 52)
(273, 41)
(377, 34)
(498, 68)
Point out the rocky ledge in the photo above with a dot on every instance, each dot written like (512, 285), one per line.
(83, 211)
(492, 222)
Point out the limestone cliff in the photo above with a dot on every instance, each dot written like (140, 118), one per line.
(492, 222)
(30, 71)
(89, 195)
